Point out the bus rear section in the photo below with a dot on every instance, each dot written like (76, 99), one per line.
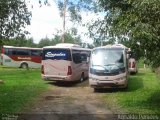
(64, 63)
(56, 64)
(108, 67)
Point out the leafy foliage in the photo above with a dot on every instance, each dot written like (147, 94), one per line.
(135, 23)
(69, 38)
(20, 42)
(74, 8)
(14, 16)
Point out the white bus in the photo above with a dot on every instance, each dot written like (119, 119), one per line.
(23, 57)
(65, 62)
(109, 67)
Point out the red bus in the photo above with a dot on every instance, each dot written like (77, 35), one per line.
(23, 57)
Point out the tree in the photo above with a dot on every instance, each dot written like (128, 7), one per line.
(135, 23)
(14, 16)
(44, 42)
(69, 38)
(30, 43)
(56, 40)
(20, 42)
(71, 10)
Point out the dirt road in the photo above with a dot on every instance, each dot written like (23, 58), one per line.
(70, 102)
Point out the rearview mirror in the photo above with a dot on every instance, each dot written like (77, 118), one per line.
(87, 59)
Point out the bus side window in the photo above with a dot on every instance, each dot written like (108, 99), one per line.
(22, 52)
(36, 53)
(6, 51)
(77, 58)
(84, 57)
(14, 52)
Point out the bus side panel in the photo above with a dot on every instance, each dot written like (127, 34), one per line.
(77, 71)
(7, 61)
(16, 61)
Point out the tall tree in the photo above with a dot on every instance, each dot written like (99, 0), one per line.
(44, 42)
(20, 42)
(72, 9)
(137, 23)
(69, 38)
(14, 16)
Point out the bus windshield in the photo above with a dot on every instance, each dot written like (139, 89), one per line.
(104, 59)
(56, 54)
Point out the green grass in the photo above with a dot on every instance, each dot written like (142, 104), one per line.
(20, 87)
(141, 97)
(140, 63)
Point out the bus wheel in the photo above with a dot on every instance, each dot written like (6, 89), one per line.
(24, 65)
(96, 90)
(82, 77)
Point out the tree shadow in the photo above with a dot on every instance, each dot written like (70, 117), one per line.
(68, 83)
(153, 102)
(137, 74)
(149, 105)
(134, 83)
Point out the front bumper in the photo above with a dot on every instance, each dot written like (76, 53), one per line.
(119, 83)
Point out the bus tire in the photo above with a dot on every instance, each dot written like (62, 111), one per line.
(82, 77)
(24, 65)
(96, 90)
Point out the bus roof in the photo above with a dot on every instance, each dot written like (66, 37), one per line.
(63, 45)
(5, 46)
(114, 46)
(67, 45)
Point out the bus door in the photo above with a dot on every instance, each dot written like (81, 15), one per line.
(85, 61)
(77, 64)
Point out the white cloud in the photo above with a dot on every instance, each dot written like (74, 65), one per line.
(87, 18)
(45, 20)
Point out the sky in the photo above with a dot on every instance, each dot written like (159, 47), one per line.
(46, 21)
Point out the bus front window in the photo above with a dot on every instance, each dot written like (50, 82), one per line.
(108, 60)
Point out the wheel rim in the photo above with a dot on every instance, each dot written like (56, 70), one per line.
(24, 66)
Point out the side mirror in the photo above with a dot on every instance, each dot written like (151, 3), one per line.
(128, 56)
(88, 59)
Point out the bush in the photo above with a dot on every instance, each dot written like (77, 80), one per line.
(157, 71)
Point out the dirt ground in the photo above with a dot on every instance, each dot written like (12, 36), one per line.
(73, 101)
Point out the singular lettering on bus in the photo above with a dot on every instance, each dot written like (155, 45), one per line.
(24, 58)
(50, 54)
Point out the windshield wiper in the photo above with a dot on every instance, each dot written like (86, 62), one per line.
(100, 66)
(111, 64)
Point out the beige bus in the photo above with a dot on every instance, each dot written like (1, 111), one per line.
(109, 67)
(65, 62)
